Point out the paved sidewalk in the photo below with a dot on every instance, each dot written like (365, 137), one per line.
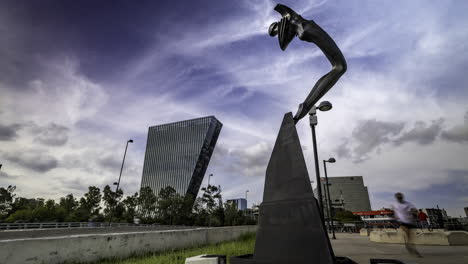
(360, 249)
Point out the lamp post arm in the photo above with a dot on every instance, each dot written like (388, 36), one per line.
(121, 168)
(118, 183)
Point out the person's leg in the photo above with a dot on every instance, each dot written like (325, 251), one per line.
(410, 247)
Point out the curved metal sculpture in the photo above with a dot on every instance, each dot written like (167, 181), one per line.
(291, 25)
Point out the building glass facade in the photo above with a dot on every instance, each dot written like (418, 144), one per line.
(178, 154)
(346, 193)
(240, 203)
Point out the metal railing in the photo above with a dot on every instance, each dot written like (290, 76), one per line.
(12, 226)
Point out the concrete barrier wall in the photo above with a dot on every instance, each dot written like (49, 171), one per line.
(56, 232)
(436, 237)
(92, 247)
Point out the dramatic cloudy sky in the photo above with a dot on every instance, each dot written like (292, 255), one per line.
(79, 78)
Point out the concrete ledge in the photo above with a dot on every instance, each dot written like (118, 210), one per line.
(419, 237)
(92, 247)
(364, 232)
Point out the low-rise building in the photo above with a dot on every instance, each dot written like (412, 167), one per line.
(346, 193)
(240, 203)
(378, 218)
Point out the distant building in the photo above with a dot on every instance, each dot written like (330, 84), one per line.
(436, 217)
(177, 154)
(346, 193)
(466, 211)
(379, 218)
(240, 203)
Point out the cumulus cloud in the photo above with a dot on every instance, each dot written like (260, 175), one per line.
(369, 136)
(5, 175)
(458, 134)
(51, 135)
(421, 133)
(247, 161)
(109, 162)
(343, 151)
(32, 159)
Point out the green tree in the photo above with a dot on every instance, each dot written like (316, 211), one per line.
(46, 212)
(67, 205)
(168, 205)
(200, 213)
(112, 202)
(130, 204)
(34, 210)
(146, 204)
(346, 216)
(231, 214)
(89, 206)
(92, 200)
(212, 200)
(6, 199)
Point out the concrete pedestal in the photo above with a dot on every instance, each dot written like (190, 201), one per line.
(206, 259)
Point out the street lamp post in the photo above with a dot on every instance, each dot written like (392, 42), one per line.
(118, 182)
(246, 203)
(326, 209)
(324, 106)
(330, 160)
(209, 176)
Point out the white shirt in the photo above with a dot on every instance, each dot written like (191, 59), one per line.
(403, 211)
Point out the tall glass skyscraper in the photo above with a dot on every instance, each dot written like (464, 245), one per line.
(177, 154)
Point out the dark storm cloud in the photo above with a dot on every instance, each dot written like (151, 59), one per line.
(102, 34)
(51, 135)
(458, 134)
(8, 132)
(421, 133)
(34, 160)
(371, 134)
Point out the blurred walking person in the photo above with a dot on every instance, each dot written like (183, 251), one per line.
(405, 212)
(422, 217)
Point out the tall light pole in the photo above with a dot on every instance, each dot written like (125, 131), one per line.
(209, 176)
(246, 203)
(324, 106)
(120, 175)
(330, 160)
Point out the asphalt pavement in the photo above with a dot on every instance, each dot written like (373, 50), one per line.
(360, 249)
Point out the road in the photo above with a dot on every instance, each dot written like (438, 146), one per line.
(360, 249)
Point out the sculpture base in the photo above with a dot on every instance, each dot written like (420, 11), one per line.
(248, 259)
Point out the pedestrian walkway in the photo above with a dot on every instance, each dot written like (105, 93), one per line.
(360, 249)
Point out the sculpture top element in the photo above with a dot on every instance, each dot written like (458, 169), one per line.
(291, 25)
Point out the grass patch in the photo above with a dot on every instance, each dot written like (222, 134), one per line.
(243, 245)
